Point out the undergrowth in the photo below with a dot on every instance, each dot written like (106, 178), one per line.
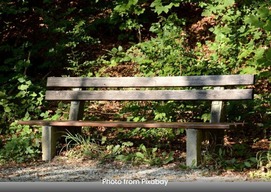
(236, 157)
(78, 146)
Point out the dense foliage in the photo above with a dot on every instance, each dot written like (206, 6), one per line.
(129, 37)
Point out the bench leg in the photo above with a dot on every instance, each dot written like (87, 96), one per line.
(193, 147)
(48, 142)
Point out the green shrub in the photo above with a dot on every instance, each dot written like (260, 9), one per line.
(23, 145)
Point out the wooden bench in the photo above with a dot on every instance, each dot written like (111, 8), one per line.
(214, 88)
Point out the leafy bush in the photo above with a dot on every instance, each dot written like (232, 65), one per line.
(23, 145)
(21, 101)
(42, 38)
(235, 158)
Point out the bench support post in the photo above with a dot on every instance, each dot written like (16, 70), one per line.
(48, 142)
(76, 113)
(193, 147)
(217, 116)
(215, 137)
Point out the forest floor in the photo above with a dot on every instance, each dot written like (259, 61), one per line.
(63, 169)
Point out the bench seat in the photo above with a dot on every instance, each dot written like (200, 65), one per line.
(121, 124)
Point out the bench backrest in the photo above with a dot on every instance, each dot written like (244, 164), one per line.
(155, 88)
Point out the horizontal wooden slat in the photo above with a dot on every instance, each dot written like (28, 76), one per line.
(208, 80)
(120, 124)
(135, 95)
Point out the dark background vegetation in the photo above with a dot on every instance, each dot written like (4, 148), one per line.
(41, 38)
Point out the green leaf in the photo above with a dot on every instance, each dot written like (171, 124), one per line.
(136, 119)
(29, 150)
(33, 94)
(121, 157)
(154, 150)
(7, 109)
(156, 3)
(169, 158)
(253, 159)
(133, 2)
(259, 53)
(104, 138)
(206, 117)
(267, 26)
(251, 19)
(249, 70)
(2, 94)
(206, 13)
(139, 155)
(23, 87)
(264, 12)
(116, 148)
(128, 143)
(21, 80)
(247, 164)
(228, 2)
(161, 9)
(143, 148)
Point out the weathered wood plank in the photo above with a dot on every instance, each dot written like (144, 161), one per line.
(208, 80)
(76, 113)
(76, 109)
(192, 125)
(216, 137)
(134, 95)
